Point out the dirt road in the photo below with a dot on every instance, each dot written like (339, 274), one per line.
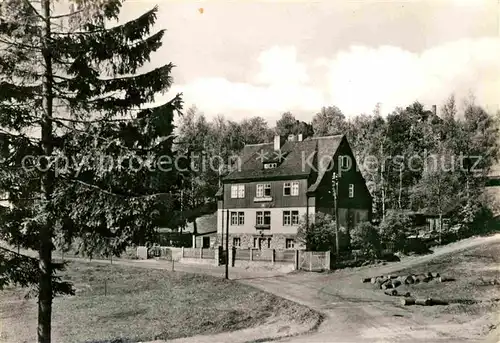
(357, 316)
(352, 315)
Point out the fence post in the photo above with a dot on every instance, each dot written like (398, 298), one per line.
(327, 260)
(273, 256)
(310, 261)
(296, 259)
(201, 253)
(251, 254)
(182, 252)
(217, 255)
(233, 256)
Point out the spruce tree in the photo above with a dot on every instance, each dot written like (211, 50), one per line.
(74, 137)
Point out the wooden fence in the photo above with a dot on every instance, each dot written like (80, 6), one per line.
(301, 259)
(265, 255)
(202, 253)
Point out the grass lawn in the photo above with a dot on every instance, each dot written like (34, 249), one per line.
(143, 304)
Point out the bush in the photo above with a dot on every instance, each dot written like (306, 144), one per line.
(394, 230)
(473, 218)
(366, 238)
(320, 235)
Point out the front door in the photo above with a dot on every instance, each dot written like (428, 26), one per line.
(264, 242)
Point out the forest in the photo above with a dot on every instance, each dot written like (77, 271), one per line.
(435, 160)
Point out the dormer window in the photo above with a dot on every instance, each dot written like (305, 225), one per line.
(270, 165)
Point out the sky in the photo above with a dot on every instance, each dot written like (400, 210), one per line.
(249, 58)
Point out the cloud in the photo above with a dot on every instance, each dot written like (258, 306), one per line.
(279, 66)
(356, 80)
(280, 85)
(360, 77)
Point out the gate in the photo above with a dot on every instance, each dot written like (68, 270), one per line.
(314, 261)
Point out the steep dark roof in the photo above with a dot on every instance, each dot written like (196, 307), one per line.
(327, 147)
(296, 161)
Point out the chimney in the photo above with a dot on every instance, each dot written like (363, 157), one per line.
(299, 137)
(434, 109)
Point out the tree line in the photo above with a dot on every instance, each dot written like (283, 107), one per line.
(434, 160)
(72, 85)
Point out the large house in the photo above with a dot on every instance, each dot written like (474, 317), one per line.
(274, 186)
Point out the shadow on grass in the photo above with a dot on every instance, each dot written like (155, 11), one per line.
(258, 277)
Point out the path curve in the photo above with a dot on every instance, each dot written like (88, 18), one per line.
(374, 318)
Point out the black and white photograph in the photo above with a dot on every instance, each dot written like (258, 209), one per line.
(249, 171)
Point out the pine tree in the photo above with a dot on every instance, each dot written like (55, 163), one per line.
(71, 99)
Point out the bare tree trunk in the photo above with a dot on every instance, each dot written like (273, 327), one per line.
(400, 187)
(382, 179)
(383, 202)
(182, 208)
(467, 188)
(440, 227)
(47, 187)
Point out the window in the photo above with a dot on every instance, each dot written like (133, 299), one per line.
(237, 191)
(234, 218)
(290, 217)
(291, 188)
(237, 218)
(270, 165)
(236, 242)
(289, 243)
(263, 190)
(351, 190)
(241, 191)
(287, 188)
(267, 218)
(287, 218)
(295, 217)
(263, 218)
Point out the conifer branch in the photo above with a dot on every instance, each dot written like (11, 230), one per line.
(101, 120)
(123, 196)
(60, 16)
(20, 45)
(105, 140)
(18, 254)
